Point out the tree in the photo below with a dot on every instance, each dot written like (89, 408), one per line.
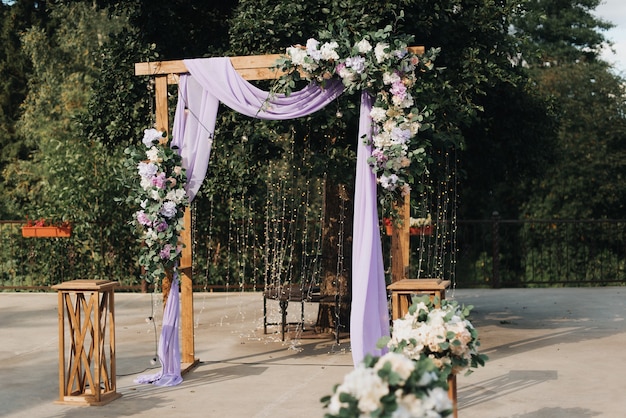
(556, 32)
(586, 180)
(15, 69)
(469, 95)
(69, 178)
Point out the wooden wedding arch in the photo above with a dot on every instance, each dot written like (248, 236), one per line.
(251, 68)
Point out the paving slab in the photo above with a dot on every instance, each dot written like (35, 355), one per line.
(553, 353)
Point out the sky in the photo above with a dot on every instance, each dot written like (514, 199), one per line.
(614, 11)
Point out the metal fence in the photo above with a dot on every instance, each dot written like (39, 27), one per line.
(488, 253)
(540, 253)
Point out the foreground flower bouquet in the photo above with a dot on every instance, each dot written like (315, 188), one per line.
(439, 330)
(391, 386)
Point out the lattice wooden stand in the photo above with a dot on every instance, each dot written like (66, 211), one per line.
(87, 375)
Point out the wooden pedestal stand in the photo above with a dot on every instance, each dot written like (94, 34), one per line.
(403, 289)
(87, 376)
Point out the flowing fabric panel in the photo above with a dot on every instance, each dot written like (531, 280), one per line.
(369, 318)
(214, 80)
(169, 347)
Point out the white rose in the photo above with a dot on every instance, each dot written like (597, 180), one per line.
(150, 136)
(390, 78)
(297, 55)
(328, 52)
(400, 364)
(363, 46)
(380, 52)
(311, 49)
(378, 114)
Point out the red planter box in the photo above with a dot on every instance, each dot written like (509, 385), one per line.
(46, 231)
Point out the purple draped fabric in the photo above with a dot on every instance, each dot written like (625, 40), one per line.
(369, 318)
(214, 80)
(169, 348)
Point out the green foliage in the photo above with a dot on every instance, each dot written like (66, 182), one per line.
(377, 62)
(69, 178)
(588, 175)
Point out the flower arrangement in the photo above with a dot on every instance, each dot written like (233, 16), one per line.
(162, 198)
(391, 386)
(417, 226)
(420, 222)
(386, 67)
(443, 334)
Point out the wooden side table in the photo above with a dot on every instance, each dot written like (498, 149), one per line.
(403, 291)
(87, 375)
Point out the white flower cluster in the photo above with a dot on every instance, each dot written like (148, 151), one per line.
(413, 396)
(443, 334)
(420, 222)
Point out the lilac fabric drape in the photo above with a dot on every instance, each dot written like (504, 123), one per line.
(169, 347)
(214, 80)
(369, 318)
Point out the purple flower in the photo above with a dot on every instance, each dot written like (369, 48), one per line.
(400, 135)
(398, 89)
(165, 252)
(161, 227)
(143, 219)
(356, 63)
(147, 170)
(168, 209)
(159, 180)
(379, 155)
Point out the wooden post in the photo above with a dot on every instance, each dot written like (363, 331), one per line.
(188, 357)
(400, 243)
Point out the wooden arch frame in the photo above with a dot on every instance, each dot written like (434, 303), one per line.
(251, 68)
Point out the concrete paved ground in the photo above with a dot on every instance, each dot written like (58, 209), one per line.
(553, 353)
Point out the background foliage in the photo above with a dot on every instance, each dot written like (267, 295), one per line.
(536, 119)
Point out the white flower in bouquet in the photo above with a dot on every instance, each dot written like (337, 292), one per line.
(442, 333)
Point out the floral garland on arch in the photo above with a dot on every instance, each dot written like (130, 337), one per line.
(443, 334)
(161, 196)
(391, 386)
(382, 64)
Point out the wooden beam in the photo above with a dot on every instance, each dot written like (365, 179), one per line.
(162, 114)
(252, 67)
